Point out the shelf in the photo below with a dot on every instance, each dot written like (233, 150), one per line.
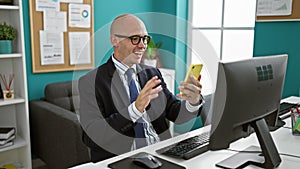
(13, 55)
(10, 7)
(18, 143)
(11, 102)
(15, 112)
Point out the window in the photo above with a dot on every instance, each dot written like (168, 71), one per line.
(219, 30)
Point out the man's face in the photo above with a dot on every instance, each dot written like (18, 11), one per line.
(132, 53)
(126, 32)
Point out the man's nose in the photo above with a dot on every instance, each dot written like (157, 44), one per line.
(141, 44)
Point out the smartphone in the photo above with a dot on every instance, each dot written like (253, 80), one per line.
(194, 70)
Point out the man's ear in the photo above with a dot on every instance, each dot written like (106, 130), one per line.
(114, 40)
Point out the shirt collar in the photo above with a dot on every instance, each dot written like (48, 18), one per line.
(121, 67)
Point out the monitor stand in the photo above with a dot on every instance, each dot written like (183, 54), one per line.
(266, 157)
(279, 123)
(243, 158)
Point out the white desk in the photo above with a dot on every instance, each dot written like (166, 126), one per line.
(284, 140)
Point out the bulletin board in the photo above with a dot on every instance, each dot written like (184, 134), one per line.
(36, 24)
(295, 15)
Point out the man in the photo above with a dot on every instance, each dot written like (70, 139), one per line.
(125, 105)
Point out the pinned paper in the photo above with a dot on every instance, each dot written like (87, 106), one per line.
(80, 15)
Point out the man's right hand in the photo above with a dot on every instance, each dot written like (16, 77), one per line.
(148, 93)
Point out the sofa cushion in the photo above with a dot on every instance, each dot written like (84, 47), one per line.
(63, 94)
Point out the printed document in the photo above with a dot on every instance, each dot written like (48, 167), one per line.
(52, 48)
(55, 21)
(72, 1)
(274, 7)
(80, 48)
(42, 5)
(80, 15)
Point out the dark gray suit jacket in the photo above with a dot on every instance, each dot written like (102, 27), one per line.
(104, 117)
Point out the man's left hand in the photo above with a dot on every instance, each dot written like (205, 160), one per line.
(190, 91)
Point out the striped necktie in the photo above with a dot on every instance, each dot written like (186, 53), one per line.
(138, 128)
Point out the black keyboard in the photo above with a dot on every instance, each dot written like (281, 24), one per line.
(191, 147)
(187, 148)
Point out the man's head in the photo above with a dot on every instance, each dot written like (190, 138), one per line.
(129, 37)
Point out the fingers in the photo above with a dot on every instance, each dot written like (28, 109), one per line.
(154, 81)
(194, 86)
(149, 92)
(195, 81)
(190, 91)
(154, 92)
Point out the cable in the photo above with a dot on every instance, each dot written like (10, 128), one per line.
(243, 151)
(290, 155)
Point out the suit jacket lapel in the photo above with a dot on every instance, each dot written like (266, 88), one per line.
(142, 76)
(117, 88)
(119, 94)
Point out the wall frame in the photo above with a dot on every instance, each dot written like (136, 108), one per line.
(295, 16)
(36, 24)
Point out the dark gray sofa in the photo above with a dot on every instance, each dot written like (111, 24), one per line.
(55, 129)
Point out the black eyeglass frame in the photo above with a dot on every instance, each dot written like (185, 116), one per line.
(146, 38)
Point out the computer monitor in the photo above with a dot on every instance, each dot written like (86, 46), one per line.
(247, 91)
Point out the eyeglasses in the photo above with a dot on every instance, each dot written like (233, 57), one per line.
(136, 39)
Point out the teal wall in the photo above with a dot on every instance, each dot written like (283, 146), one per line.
(278, 38)
(104, 13)
(37, 82)
(270, 38)
(180, 62)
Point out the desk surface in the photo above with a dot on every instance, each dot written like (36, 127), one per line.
(286, 143)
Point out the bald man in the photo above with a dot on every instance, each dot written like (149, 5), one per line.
(125, 105)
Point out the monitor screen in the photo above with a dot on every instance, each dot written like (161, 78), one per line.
(247, 92)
